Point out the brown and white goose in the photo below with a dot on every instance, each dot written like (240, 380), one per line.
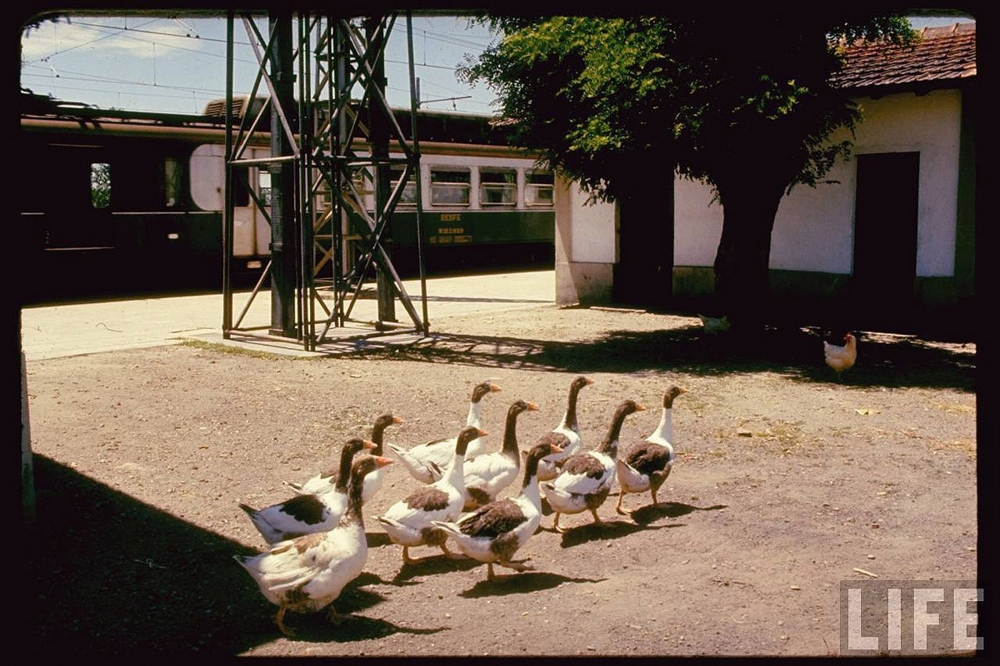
(586, 478)
(566, 435)
(306, 514)
(308, 573)
(410, 522)
(646, 465)
(326, 480)
(488, 474)
(426, 462)
(496, 531)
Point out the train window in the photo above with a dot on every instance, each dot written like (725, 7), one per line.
(498, 187)
(538, 188)
(363, 184)
(450, 187)
(145, 182)
(100, 185)
(363, 180)
(241, 188)
(172, 182)
(408, 198)
(264, 187)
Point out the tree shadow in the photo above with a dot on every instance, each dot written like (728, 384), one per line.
(796, 352)
(520, 583)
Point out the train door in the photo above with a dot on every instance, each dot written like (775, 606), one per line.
(79, 218)
(251, 232)
(67, 221)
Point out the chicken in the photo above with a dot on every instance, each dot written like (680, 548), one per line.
(715, 325)
(841, 357)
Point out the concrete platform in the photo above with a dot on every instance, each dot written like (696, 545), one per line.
(89, 328)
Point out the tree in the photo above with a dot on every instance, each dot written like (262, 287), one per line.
(744, 105)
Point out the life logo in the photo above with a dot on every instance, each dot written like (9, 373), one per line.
(909, 617)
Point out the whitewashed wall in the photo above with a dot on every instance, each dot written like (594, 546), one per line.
(592, 239)
(813, 229)
(585, 246)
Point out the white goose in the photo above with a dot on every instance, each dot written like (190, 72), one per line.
(586, 478)
(426, 462)
(646, 465)
(566, 435)
(306, 514)
(488, 474)
(409, 522)
(307, 574)
(326, 480)
(496, 531)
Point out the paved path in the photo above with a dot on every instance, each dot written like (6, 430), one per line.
(69, 330)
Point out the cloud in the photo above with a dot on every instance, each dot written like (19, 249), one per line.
(92, 36)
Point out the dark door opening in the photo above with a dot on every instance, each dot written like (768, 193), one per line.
(885, 235)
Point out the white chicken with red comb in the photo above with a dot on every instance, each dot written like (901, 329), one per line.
(841, 357)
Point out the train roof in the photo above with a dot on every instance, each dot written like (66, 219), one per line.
(432, 126)
(33, 105)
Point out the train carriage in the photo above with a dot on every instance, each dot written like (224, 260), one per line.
(116, 203)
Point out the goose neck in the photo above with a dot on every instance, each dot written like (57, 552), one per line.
(474, 417)
(510, 436)
(530, 492)
(665, 428)
(345, 471)
(610, 443)
(569, 419)
(352, 514)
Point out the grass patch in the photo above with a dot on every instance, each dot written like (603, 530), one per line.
(229, 349)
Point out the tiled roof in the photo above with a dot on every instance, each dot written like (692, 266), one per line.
(942, 54)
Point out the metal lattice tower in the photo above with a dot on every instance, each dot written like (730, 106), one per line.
(332, 193)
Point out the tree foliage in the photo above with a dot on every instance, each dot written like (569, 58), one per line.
(744, 104)
(712, 95)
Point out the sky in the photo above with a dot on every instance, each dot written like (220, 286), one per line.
(159, 64)
(151, 63)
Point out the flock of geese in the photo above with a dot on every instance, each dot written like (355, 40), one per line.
(317, 537)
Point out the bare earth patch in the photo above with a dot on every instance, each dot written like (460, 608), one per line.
(787, 483)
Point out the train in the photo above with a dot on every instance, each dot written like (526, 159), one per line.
(123, 203)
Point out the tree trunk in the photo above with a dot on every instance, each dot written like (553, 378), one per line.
(742, 262)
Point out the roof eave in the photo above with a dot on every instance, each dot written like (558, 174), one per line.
(916, 87)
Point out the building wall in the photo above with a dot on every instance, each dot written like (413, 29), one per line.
(812, 242)
(585, 247)
(813, 230)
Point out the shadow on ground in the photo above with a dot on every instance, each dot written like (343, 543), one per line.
(97, 590)
(883, 360)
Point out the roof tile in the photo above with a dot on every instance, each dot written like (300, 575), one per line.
(942, 54)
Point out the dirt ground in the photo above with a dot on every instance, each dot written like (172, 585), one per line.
(787, 483)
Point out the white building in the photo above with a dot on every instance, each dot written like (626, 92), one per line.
(895, 224)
